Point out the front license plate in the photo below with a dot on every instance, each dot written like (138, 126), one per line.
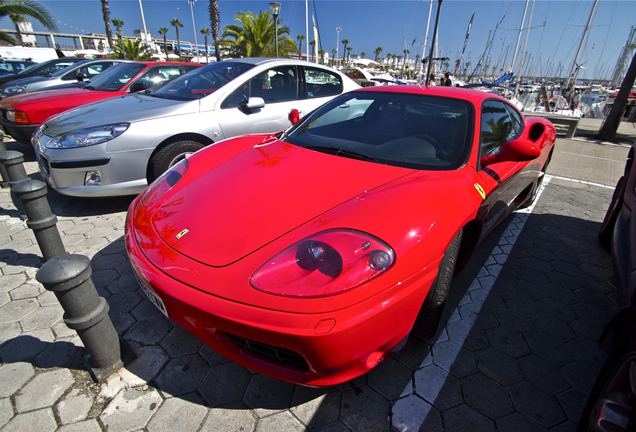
(154, 298)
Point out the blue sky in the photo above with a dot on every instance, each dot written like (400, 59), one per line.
(555, 35)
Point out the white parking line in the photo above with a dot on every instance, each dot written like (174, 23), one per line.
(593, 157)
(411, 410)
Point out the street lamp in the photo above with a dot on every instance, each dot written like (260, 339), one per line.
(338, 29)
(275, 8)
(121, 42)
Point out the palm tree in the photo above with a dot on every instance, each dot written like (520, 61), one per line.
(334, 52)
(300, 38)
(213, 8)
(117, 23)
(206, 32)
(345, 42)
(177, 24)
(23, 8)
(349, 54)
(132, 50)
(163, 31)
(256, 37)
(377, 52)
(406, 55)
(106, 16)
(313, 48)
(322, 53)
(362, 54)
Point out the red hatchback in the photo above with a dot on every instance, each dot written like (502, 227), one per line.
(309, 254)
(22, 114)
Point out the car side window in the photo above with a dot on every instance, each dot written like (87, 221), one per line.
(89, 71)
(274, 85)
(51, 69)
(497, 127)
(322, 83)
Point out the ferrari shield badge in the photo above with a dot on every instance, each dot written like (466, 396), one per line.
(182, 233)
(479, 189)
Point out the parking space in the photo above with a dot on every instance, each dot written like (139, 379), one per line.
(517, 350)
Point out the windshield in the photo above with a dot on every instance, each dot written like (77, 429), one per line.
(116, 77)
(202, 81)
(408, 130)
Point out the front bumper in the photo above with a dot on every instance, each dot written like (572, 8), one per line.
(66, 170)
(313, 349)
(20, 133)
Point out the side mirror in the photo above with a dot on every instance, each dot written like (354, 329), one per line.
(518, 150)
(248, 106)
(294, 116)
(138, 86)
(81, 77)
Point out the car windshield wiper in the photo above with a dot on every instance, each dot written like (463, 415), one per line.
(337, 151)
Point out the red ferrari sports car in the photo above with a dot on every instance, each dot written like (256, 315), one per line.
(309, 254)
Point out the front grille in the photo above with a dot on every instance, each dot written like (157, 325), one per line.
(44, 165)
(271, 353)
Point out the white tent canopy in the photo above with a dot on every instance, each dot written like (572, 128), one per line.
(365, 62)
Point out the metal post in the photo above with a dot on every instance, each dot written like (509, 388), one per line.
(439, 8)
(40, 219)
(68, 276)
(12, 162)
(4, 181)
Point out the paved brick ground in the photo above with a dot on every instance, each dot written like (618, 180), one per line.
(518, 350)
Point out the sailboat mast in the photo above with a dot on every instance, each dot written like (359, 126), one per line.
(514, 56)
(525, 44)
(576, 57)
(307, 29)
(428, 21)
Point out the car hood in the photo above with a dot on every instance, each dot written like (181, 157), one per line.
(258, 195)
(54, 96)
(124, 109)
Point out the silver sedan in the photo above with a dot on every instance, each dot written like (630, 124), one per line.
(118, 146)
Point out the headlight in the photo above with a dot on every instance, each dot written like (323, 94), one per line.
(17, 117)
(88, 137)
(325, 264)
(13, 90)
(164, 183)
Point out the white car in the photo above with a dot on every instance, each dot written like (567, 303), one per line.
(118, 146)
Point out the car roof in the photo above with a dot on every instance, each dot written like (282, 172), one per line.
(475, 96)
(265, 60)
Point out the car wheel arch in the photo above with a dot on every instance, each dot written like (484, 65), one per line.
(202, 139)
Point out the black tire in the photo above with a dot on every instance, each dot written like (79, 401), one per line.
(169, 156)
(535, 192)
(430, 314)
(609, 221)
(614, 392)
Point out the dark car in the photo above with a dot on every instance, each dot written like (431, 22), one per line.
(43, 69)
(611, 405)
(10, 66)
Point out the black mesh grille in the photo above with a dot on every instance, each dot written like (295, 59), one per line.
(272, 353)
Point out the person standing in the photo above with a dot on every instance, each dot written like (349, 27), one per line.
(431, 80)
(447, 80)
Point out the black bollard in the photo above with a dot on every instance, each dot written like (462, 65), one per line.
(4, 181)
(32, 197)
(69, 277)
(12, 162)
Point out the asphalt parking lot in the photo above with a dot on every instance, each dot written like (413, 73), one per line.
(518, 351)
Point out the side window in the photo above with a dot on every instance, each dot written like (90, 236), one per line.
(274, 85)
(497, 127)
(89, 71)
(51, 69)
(321, 83)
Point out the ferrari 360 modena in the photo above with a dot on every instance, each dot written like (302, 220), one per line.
(308, 255)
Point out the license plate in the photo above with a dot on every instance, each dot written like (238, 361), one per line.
(154, 298)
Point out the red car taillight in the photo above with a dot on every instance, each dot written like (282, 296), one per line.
(324, 264)
(164, 183)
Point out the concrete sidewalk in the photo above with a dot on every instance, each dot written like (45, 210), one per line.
(517, 352)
